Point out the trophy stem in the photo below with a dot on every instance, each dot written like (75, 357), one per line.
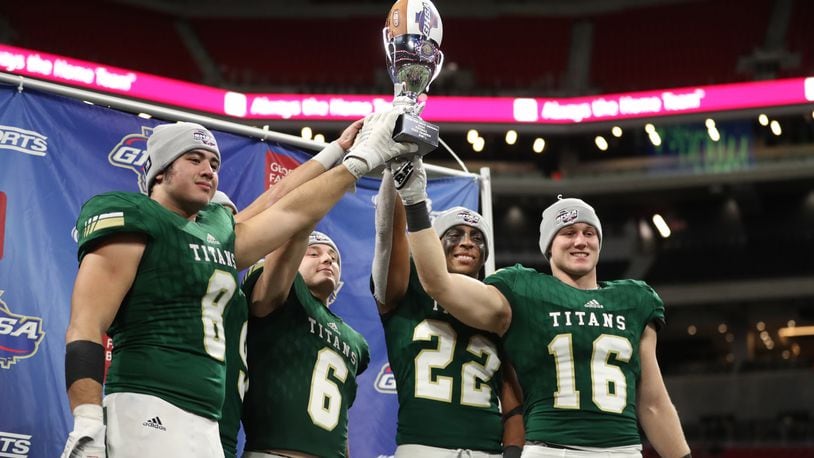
(399, 89)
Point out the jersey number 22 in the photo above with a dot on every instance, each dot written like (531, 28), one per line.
(475, 390)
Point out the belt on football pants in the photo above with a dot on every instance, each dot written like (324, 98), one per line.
(550, 445)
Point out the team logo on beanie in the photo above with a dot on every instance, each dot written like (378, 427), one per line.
(319, 237)
(170, 141)
(563, 213)
(567, 216)
(204, 138)
(468, 217)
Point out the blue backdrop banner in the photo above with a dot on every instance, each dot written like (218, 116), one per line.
(57, 152)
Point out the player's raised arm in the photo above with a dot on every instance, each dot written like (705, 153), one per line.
(308, 203)
(280, 266)
(323, 161)
(391, 255)
(466, 298)
(279, 269)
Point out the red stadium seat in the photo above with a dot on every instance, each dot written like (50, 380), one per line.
(676, 45)
(104, 32)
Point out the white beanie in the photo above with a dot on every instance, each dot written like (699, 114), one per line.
(222, 198)
(562, 213)
(460, 215)
(169, 141)
(319, 238)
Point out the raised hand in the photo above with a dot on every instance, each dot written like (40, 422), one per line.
(410, 179)
(375, 144)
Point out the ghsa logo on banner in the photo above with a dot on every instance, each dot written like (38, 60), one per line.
(131, 153)
(385, 381)
(20, 336)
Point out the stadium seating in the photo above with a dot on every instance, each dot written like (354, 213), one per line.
(799, 37)
(676, 45)
(104, 32)
(307, 53)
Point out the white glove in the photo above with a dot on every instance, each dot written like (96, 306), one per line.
(364, 133)
(376, 145)
(410, 179)
(87, 440)
(330, 156)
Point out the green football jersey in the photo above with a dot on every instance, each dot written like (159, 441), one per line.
(448, 376)
(235, 323)
(168, 336)
(303, 363)
(576, 353)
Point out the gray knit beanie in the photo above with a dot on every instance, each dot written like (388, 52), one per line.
(460, 215)
(562, 213)
(169, 141)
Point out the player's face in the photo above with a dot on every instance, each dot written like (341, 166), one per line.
(575, 250)
(464, 247)
(320, 270)
(192, 178)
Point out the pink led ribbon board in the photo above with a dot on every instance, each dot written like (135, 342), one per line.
(338, 107)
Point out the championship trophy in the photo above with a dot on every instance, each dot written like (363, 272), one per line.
(412, 37)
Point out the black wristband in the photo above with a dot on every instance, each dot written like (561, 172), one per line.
(84, 359)
(418, 218)
(516, 411)
(512, 451)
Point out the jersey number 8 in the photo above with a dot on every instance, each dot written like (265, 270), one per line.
(221, 287)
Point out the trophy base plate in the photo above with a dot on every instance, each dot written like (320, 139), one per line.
(412, 129)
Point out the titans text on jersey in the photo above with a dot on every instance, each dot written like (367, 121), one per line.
(580, 318)
(333, 339)
(206, 253)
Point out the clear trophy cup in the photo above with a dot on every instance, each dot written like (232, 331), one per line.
(412, 39)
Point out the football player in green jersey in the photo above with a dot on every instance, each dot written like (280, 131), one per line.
(303, 359)
(449, 376)
(157, 271)
(237, 313)
(584, 350)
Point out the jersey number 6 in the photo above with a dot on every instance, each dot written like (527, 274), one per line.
(325, 399)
